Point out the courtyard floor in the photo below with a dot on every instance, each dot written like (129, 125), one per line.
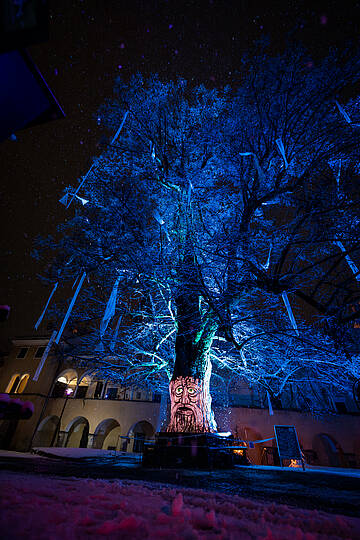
(81, 494)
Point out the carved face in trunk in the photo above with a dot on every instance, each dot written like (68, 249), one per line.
(189, 406)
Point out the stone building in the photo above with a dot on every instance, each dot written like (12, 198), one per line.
(74, 408)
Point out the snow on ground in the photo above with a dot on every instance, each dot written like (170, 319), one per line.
(81, 453)
(309, 469)
(13, 454)
(76, 453)
(45, 508)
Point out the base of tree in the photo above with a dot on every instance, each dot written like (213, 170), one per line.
(189, 450)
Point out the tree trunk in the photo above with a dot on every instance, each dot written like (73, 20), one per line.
(190, 385)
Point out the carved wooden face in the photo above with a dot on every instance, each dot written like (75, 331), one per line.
(187, 414)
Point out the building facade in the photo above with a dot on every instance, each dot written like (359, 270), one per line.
(73, 408)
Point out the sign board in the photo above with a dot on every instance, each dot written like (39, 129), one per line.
(287, 443)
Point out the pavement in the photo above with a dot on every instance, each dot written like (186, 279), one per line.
(328, 489)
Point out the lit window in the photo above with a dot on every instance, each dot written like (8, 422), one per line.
(22, 384)
(17, 383)
(13, 384)
(65, 385)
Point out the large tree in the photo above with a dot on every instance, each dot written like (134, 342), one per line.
(226, 224)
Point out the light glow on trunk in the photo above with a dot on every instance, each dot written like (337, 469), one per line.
(191, 406)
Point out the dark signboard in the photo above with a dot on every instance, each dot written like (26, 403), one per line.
(287, 442)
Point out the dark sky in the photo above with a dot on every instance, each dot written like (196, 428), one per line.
(91, 42)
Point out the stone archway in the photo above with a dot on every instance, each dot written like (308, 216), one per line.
(83, 386)
(65, 384)
(140, 433)
(77, 433)
(47, 432)
(107, 435)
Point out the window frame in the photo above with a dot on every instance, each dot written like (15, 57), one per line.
(19, 355)
(42, 348)
(25, 376)
(12, 382)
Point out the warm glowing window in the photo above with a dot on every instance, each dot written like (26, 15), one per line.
(17, 383)
(22, 384)
(13, 384)
(72, 383)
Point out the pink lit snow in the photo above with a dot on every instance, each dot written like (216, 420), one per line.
(36, 507)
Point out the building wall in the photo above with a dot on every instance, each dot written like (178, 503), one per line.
(313, 432)
(327, 438)
(28, 365)
(126, 413)
(59, 414)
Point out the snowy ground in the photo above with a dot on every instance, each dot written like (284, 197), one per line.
(333, 490)
(88, 453)
(38, 507)
(79, 453)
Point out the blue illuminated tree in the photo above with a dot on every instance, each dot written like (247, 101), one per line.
(226, 222)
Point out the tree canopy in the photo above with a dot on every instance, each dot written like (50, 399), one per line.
(229, 220)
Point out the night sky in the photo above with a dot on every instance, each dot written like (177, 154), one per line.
(93, 41)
